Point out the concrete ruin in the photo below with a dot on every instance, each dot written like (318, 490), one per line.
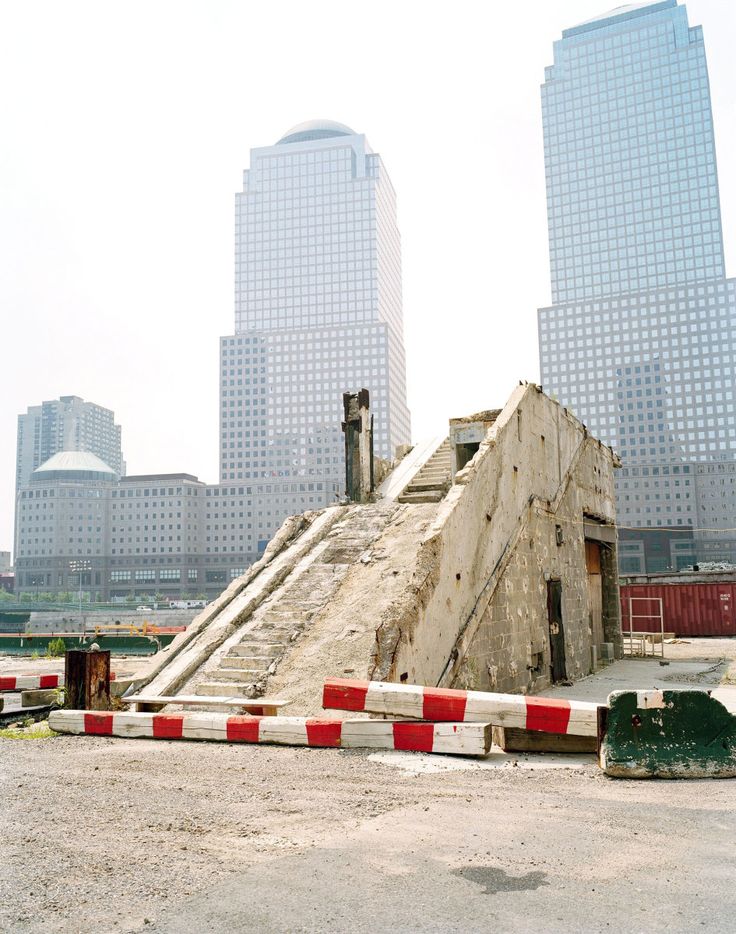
(486, 561)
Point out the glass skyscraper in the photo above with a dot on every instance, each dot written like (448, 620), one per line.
(640, 340)
(317, 312)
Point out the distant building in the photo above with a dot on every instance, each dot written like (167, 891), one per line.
(5, 564)
(318, 311)
(66, 424)
(80, 526)
(640, 342)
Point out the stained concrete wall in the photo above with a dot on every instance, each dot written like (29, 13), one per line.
(453, 593)
(69, 621)
(477, 614)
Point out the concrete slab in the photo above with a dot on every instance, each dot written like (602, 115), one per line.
(707, 664)
(421, 764)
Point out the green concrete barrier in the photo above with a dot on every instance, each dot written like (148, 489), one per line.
(668, 734)
(23, 644)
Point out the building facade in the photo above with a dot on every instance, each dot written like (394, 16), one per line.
(81, 527)
(317, 312)
(66, 424)
(640, 340)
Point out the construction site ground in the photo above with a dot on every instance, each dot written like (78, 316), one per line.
(146, 835)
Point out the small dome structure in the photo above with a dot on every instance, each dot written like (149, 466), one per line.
(74, 465)
(315, 129)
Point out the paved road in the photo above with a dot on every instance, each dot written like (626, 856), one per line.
(579, 855)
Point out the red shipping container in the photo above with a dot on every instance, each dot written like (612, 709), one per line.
(690, 609)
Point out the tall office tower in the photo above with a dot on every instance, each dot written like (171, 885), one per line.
(640, 340)
(66, 424)
(317, 312)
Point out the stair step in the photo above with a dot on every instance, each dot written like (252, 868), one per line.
(246, 675)
(246, 662)
(219, 690)
(425, 487)
(271, 649)
(429, 497)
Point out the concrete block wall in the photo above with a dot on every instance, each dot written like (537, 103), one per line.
(480, 581)
(510, 651)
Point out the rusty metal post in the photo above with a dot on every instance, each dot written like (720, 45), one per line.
(358, 429)
(87, 679)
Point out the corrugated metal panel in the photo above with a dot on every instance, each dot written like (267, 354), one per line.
(689, 609)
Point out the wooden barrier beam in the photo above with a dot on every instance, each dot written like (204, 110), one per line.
(517, 711)
(30, 682)
(466, 739)
(16, 683)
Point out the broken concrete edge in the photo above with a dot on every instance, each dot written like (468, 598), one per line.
(409, 466)
(668, 734)
(291, 528)
(175, 672)
(467, 739)
(469, 628)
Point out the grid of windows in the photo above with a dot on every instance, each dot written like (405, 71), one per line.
(317, 313)
(632, 188)
(663, 394)
(641, 340)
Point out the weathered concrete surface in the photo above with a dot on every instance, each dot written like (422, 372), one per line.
(121, 618)
(245, 662)
(341, 639)
(235, 612)
(706, 664)
(451, 592)
(476, 613)
(668, 734)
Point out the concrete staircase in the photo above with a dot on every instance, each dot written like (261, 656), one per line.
(433, 480)
(247, 659)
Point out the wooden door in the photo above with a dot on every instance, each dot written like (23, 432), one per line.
(556, 631)
(595, 591)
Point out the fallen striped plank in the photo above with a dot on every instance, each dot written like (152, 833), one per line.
(465, 739)
(34, 682)
(519, 711)
(30, 682)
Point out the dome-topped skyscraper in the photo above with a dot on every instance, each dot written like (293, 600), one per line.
(315, 129)
(318, 312)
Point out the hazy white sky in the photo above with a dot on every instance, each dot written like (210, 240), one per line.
(126, 127)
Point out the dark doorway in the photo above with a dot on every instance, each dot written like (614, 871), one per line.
(556, 631)
(464, 453)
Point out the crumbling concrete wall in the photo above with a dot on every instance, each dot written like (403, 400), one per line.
(451, 593)
(476, 614)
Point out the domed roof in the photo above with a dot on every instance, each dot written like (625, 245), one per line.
(315, 129)
(74, 465)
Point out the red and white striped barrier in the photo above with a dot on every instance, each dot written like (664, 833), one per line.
(30, 682)
(34, 682)
(573, 718)
(465, 739)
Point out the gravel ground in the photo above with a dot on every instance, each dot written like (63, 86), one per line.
(120, 835)
(130, 835)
